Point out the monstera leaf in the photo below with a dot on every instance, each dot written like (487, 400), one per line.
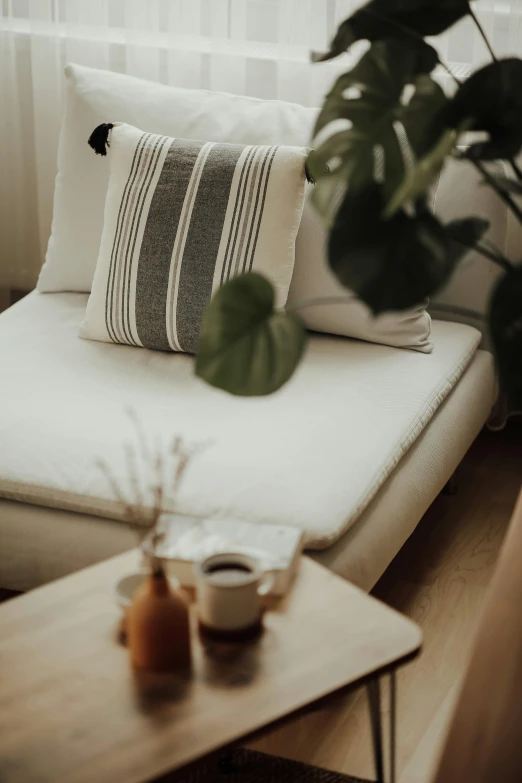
(506, 330)
(246, 347)
(507, 184)
(404, 20)
(375, 118)
(394, 264)
(464, 233)
(421, 176)
(491, 100)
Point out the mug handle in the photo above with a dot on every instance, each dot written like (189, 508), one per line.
(267, 583)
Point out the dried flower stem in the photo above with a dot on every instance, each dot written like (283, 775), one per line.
(136, 509)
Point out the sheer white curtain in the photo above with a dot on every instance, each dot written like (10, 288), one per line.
(251, 47)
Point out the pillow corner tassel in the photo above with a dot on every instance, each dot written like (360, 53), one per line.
(99, 138)
(308, 174)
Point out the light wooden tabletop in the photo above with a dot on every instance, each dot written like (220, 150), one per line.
(71, 708)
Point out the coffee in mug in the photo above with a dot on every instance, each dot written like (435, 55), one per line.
(229, 589)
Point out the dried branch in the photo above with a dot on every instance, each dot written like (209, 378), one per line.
(132, 469)
(129, 508)
(162, 484)
(142, 439)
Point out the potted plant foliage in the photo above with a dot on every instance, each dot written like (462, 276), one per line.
(385, 242)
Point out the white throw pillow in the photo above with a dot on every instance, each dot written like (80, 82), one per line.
(461, 192)
(181, 218)
(313, 279)
(94, 97)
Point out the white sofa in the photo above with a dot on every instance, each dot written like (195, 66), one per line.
(353, 449)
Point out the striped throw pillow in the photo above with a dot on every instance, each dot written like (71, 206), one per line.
(181, 218)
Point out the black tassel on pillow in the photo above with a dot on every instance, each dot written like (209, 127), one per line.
(99, 138)
(309, 177)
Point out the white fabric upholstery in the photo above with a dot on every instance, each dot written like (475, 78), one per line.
(98, 96)
(312, 455)
(40, 544)
(101, 96)
(461, 192)
(407, 329)
(181, 219)
(364, 552)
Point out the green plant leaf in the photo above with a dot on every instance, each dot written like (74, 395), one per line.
(506, 330)
(391, 264)
(491, 100)
(508, 185)
(423, 115)
(246, 347)
(316, 166)
(421, 176)
(404, 20)
(370, 121)
(465, 233)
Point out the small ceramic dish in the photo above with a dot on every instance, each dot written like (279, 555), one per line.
(125, 587)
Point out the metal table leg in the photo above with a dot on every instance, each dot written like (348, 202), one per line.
(374, 698)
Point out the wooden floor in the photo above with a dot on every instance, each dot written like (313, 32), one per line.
(439, 579)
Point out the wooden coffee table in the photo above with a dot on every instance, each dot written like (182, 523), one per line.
(71, 708)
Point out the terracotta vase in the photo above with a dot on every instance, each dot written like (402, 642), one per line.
(158, 629)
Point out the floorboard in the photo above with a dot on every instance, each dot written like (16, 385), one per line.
(439, 579)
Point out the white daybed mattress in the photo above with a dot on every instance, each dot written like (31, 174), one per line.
(39, 544)
(313, 455)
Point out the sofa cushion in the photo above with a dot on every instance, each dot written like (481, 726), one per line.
(461, 192)
(183, 217)
(93, 97)
(312, 455)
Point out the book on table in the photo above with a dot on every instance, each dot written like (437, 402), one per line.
(187, 540)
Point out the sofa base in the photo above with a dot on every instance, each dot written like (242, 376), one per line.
(365, 551)
(40, 544)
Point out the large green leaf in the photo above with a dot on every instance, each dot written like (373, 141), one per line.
(491, 100)
(507, 184)
(506, 330)
(393, 264)
(422, 116)
(388, 112)
(420, 177)
(464, 234)
(404, 20)
(246, 347)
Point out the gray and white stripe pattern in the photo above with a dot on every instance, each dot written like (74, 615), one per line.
(190, 217)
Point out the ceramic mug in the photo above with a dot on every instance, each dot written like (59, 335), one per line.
(229, 588)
